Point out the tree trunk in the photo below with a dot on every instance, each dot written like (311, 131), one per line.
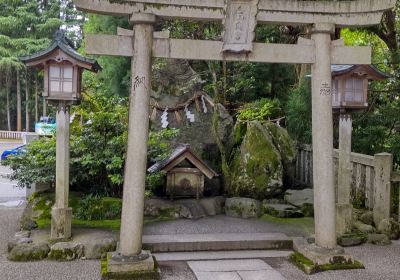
(36, 99)
(8, 103)
(19, 113)
(27, 122)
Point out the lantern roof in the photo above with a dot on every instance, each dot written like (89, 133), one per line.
(371, 72)
(181, 153)
(61, 42)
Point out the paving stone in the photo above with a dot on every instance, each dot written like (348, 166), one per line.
(217, 276)
(220, 255)
(261, 275)
(229, 265)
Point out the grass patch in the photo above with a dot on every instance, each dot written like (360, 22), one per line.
(305, 224)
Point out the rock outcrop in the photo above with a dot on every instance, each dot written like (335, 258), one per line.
(256, 168)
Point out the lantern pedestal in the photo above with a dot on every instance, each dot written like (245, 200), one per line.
(141, 266)
(61, 223)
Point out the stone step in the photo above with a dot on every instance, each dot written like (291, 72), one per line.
(221, 255)
(217, 242)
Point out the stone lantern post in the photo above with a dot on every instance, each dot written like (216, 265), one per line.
(62, 67)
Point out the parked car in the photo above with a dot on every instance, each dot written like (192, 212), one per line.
(46, 126)
(16, 151)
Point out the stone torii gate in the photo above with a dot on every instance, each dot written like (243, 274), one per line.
(240, 18)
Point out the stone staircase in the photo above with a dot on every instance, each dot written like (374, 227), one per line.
(217, 242)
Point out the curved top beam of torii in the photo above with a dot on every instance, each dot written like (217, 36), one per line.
(289, 12)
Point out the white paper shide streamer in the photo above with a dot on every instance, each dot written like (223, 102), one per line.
(189, 115)
(204, 104)
(164, 119)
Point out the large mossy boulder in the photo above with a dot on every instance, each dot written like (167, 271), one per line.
(256, 169)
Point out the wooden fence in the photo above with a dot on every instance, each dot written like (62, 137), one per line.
(11, 135)
(366, 190)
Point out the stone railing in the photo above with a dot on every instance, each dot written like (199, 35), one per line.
(372, 178)
(11, 135)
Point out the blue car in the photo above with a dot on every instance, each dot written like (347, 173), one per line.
(16, 151)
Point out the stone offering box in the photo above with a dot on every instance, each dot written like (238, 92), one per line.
(63, 67)
(350, 86)
(185, 173)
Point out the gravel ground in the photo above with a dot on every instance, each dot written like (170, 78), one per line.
(381, 262)
(75, 270)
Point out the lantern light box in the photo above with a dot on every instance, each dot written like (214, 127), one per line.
(63, 67)
(350, 85)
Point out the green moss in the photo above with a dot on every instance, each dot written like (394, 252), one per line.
(256, 168)
(338, 263)
(62, 255)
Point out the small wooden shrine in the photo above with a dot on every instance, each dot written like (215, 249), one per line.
(350, 86)
(185, 173)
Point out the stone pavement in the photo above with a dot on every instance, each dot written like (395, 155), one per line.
(234, 270)
(8, 189)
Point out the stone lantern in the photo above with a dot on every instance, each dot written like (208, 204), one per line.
(349, 94)
(350, 86)
(62, 66)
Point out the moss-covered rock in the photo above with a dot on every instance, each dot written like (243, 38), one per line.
(29, 252)
(66, 251)
(98, 249)
(287, 150)
(256, 169)
(389, 227)
(378, 239)
(242, 207)
(352, 239)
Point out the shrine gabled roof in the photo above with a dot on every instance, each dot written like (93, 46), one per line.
(62, 42)
(338, 70)
(180, 153)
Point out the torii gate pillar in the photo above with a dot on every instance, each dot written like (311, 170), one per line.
(130, 259)
(322, 138)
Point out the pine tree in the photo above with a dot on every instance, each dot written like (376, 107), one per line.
(26, 27)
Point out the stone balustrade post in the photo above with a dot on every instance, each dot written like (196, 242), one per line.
(383, 165)
(344, 208)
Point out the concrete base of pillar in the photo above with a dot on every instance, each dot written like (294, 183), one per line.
(321, 259)
(61, 223)
(344, 218)
(143, 267)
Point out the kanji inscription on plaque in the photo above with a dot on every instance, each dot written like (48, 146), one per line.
(240, 23)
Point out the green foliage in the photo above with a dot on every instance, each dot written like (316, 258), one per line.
(298, 112)
(97, 150)
(92, 208)
(260, 110)
(154, 181)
